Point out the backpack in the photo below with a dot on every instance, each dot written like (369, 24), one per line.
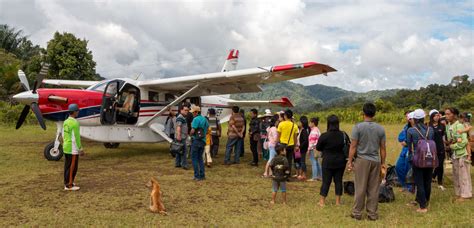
(347, 145)
(349, 187)
(280, 168)
(425, 154)
(391, 177)
(386, 194)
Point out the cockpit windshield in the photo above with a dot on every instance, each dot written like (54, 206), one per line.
(100, 87)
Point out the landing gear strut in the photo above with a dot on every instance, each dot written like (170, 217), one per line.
(52, 154)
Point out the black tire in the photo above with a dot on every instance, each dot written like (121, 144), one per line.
(49, 153)
(111, 145)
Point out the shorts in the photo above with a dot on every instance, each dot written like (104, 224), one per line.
(279, 185)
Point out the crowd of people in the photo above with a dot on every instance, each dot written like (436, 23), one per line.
(284, 144)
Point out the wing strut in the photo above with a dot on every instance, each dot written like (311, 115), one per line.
(179, 99)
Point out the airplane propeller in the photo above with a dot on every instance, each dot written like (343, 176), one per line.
(30, 97)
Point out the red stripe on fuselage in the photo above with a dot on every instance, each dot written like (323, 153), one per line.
(83, 98)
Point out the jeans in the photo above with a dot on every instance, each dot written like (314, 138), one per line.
(180, 160)
(197, 150)
(316, 168)
(300, 163)
(272, 151)
(289, 156)
(214, 146)
(422, 178)
(254, 149)
(236, 144)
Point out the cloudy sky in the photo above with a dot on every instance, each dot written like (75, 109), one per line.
(373, 44)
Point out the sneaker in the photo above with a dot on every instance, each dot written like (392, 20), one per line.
(442, 188)
(356, 217)
(73, 188)
(185, 168)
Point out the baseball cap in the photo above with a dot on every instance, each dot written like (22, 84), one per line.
(419, 114)
(433, 111)
(195, 108)
(73, 107)
(410, 115)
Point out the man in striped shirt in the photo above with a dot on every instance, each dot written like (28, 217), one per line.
(72, 148)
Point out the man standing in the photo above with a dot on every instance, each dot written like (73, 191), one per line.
(215, 126)
(254, 133)
(288, 132)
(235, 133)
(242, 139)
(198, 132)
(72, 148)
(368, 142)
(181, 136)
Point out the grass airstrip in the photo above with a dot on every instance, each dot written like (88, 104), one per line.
(113, 191)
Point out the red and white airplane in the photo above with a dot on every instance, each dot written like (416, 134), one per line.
(125, 110)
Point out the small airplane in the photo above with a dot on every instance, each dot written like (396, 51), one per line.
(124, 110)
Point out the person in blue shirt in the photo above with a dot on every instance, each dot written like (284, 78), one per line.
(403, 166)
(198, 132)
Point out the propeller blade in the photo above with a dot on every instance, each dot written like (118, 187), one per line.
(23, 80)
(23, 116)
(39, 77)
(39, 117)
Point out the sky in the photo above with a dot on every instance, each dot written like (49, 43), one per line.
(374, 45)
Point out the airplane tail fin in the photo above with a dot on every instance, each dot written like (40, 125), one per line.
(232, 59)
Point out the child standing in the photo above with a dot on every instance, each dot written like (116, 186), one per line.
(270, 143)
(313, 154)
(207, 148)
(281, 172)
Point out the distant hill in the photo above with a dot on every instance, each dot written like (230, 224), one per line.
(313, 97)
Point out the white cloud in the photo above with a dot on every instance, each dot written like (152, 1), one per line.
(393, 44)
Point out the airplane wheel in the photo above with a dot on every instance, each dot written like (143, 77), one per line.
(52, 155)
(111, 145)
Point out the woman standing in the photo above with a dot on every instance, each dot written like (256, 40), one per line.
(331, 144)
(303, 144)
(439, 134)
(403, 166)
(461, 157)
(270, 143)
(170, 124)
(422, 176)
(313, 153)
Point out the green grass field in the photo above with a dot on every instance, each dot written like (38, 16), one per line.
(113, 191)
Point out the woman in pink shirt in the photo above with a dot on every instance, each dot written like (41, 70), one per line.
(314, 155)
(272, 139)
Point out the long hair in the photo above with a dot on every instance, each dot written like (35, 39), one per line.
(304, 122)
(420, 123)
(333, 123)
(432, 121)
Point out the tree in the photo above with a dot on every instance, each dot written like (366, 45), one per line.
(69, 58)
(13, 41)
(9, 66)
(466, 102)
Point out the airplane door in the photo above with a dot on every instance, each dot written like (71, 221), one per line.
(107, 113)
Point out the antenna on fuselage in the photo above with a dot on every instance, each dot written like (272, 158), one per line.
(138, 76)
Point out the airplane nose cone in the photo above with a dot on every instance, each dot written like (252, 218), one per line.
(26, 97)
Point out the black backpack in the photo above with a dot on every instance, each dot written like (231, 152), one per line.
(349, 188)
(386, 194)
(347, 145)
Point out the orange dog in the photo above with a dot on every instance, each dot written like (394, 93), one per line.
(156, 205)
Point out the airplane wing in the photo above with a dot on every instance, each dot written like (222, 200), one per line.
(237, 81)
(283, 102)
(75, 83)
